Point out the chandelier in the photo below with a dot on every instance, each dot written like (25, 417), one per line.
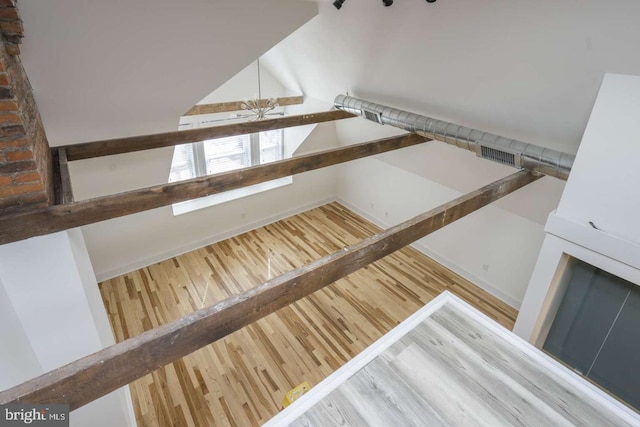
(259, 107)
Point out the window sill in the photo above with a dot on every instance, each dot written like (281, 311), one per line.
(227, 196)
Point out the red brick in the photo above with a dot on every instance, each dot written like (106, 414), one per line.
(14, 167)
(5, 180)
(18, 156)
(18, 189)
(9, 106)
(11, 39)
(24, 154)
(12, 49)
(13, 132)
(6, 92)
(9, 13)
(27, 177)
(14, 143)
(10, 119)
(11, 26)
(7, 3)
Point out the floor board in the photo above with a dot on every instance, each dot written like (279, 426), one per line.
(451, 370)
(241, 379)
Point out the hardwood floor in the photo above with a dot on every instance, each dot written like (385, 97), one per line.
(241, 380)
(451, 370)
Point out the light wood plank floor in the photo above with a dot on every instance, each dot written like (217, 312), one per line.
(241, 380)
(450, 370)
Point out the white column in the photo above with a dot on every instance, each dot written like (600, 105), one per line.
(58, 313)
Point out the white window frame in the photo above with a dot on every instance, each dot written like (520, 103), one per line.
(200, 166)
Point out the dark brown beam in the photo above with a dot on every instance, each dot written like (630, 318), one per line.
(94, 376)
(56, 178)
(61, 178)
(62, 217)
(224, 107)
(65, 178)
(108, 147)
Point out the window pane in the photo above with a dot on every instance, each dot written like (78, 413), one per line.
(225, 154)
(182, 166)
(270, 146)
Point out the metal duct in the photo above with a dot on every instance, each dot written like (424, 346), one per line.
(486, 145)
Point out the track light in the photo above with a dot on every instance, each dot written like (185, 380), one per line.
(338, 3)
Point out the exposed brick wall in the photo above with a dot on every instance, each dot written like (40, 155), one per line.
(25, 158)
(10, 26)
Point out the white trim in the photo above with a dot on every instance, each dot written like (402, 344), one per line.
(333, 381)
(609, 245)
(141, 263)
(445, 262)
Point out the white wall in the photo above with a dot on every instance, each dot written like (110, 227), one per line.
(51, 288)
(491, 247)
(603, 185)
(124, 244)
(244, 85)
(602, 188)
(496, 247)
(18, 362)
(241, 86)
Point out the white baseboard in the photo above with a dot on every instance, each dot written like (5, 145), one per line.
(440, 259)
(109, 274)
(136, 265)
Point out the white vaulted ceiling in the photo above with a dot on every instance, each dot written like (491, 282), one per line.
(524, 70)
(528, 70)
(107, 69)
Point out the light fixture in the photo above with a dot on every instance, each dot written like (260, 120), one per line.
(259, 107)
(338, 3)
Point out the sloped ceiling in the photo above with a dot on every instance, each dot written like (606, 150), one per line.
(525, 70)
(106, 69)
(528, 70)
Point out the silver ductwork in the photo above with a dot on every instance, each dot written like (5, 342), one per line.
(486, 145)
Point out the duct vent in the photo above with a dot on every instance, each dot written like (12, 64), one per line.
(372, 115)
(499, 156)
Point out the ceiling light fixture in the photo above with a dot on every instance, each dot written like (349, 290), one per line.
(338, 3)
(259, 107)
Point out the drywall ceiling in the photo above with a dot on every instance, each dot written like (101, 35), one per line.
(106, 69)
(525, 70)
(528, 70)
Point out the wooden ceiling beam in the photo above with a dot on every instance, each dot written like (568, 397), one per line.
(61, 177)
(83, 212)
(89, 378)
(66, 195)
(109, 147)
(225, 107)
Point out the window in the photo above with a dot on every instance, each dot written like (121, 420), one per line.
(223, 155)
